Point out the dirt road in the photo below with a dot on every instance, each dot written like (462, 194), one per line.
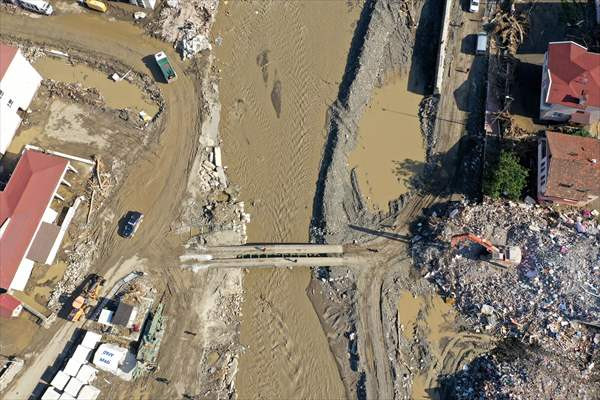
(156, 182)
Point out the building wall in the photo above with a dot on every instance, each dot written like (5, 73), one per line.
(144, 3)
(26, 265)
(542, 178)
(18, 86)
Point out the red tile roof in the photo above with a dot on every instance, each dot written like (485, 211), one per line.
(24, 200)
(7, 305)
(572, 174)
(7, 53)
(575, 73)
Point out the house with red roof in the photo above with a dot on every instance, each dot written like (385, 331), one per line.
(568, 169)
(28, 229)
(19, 82)
(570, 84)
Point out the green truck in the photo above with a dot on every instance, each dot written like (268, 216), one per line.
(165, 66)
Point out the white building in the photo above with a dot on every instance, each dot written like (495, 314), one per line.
(18, 83)
(144, 3)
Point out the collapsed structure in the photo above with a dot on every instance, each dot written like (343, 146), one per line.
(570, 84)
(29, 232)
(568, 169)
(545, 310)
(19, 82)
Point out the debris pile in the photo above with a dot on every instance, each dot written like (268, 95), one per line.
(186, 24)
(551, 300)
(509, 29)
(517, 371)
(79, 260)
(192, 42)
(75, 92)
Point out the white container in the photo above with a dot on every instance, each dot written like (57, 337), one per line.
(73, 387)
(91, 339)
(60, 380)
(482, 43)
(72, 367)
(88, 392)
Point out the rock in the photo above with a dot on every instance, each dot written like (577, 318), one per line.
(487, 309)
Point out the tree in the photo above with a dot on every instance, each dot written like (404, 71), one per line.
(507, 179)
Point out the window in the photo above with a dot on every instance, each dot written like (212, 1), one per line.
(1, 94)
(10, 103)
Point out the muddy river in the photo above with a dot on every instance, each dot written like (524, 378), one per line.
(280, 65)
(390, 149)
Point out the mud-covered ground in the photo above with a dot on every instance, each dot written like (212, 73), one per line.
(372, 306)
(149, 168)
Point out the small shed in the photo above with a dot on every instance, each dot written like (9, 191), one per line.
(124, 315)
(105, 317)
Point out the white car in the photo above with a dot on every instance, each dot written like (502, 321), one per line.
(474, 6)
(37, 6)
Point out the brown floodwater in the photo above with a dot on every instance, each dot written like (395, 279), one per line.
(280, 65)
(390, 151)
(118, 95)
(429, 317)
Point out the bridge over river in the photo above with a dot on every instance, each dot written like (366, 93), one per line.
(275, 256)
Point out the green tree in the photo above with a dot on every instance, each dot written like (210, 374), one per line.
(507, 179)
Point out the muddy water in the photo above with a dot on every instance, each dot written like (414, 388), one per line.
(432, 319)
(118, 95)
(280, 65)
(390, 148)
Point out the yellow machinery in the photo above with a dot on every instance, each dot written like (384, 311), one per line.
(96, 5)
(91, 290)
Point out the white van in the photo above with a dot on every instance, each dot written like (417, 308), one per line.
(38, 6)
(482, 42)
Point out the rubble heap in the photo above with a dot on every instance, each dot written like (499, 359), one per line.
(79, 260)
(186, 24)
(551, 300)
(516, 371)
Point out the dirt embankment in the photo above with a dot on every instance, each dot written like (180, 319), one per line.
(360, 309)
(382, 43)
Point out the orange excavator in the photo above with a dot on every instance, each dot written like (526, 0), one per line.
(507, 256)
(89, 293)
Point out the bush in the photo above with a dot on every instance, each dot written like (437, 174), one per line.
(580, 132)
(507, 179)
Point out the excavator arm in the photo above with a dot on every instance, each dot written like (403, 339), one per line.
(456, 239)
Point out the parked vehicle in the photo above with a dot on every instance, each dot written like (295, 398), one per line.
(165, 66)
(474, 6)
(482, 42)
(131, 223)
(95, 5)
(37, 6)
